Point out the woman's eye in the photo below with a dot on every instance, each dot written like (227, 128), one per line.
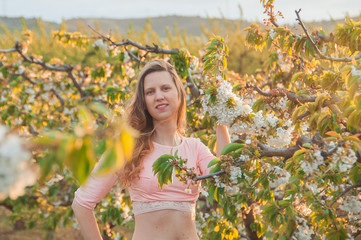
(166, 88)
(149, 92)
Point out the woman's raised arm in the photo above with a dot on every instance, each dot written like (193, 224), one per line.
(222, 138)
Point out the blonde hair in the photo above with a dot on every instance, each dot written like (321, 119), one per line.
(140, 119)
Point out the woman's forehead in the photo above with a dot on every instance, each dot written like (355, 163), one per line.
(157, 79)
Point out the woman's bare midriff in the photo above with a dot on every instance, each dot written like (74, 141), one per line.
(165, 225)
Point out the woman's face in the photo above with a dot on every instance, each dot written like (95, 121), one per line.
(161, 96)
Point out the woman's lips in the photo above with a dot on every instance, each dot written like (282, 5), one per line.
(161, 107)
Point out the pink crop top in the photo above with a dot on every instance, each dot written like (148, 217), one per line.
(146, 190)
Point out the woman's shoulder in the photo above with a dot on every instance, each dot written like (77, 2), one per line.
(192, 141)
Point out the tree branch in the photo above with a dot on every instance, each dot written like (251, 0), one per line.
(62, 102)
(154, 49)
(8, 50)
(326, 103)
(209, 175)
(248, 219)
(192, 87)
(290, 95)
(343, 59)
(63, 68)
(26, 77)
(76, 84)
(287, 153)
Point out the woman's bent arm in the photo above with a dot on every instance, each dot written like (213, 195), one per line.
(222, 138)
(87, 222)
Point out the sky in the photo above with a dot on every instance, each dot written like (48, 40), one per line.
(56, 10)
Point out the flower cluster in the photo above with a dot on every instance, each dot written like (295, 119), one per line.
(310, 167)
(352, 204)
(236, 172)
(281, 104)
(303, 230)
(228, 106)
(229, 109)
(193, 64)
(15, 170)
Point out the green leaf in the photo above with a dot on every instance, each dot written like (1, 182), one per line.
(213, 162)
(159, 161)
(216, 168)
(231, 147)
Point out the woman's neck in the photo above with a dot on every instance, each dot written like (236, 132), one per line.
(166, 134)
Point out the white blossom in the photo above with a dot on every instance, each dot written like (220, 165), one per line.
(310, 167)
(283, 137)
(351, 204)
(30, 91)
(203, 191)
(21, 70)
(282, 177)
(281, 104)
(272, 33)
(236, 173)
(126, 57)
(129, 71)
(101, 44)
(272, 120)
(193, 64)
(15, 167)
(355, 72)
(302, 207)
(303, 230)
(219, 182)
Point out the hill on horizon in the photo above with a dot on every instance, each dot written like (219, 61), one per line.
(192, 25)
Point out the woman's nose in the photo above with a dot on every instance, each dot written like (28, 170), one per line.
(159, 95)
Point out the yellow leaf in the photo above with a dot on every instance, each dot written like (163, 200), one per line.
(334, 134)
(353, 138)
(128, 143)
(119, 151)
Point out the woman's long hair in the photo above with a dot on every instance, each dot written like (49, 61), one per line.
(139, 118)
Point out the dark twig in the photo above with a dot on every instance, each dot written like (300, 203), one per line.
(132, 55)
(62, 102)
(356, 185)
(76, 84)
(155, 48)
(333, 150)
(32, 130)
(326, 103)
(26, 77)
(210, 175)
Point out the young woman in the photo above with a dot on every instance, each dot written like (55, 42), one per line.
(158, 112)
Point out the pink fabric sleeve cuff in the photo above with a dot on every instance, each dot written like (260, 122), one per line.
(204, 157)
